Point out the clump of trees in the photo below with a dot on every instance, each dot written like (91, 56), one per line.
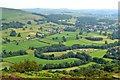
(19, 35)
(115, 35)
(108, 21)
(25, 66)
(82, 21)
(12, 25)
(113, 53)
(105, 33)
(64, 39)
(53, 48)
(99, 60)
(56, 38)
(13, 33)
(29, 22)
(77, 36)
(106, 42)
(57, 17)
(97, 70)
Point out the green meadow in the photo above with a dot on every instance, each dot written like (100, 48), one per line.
(40, 61)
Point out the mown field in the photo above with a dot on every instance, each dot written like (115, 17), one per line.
(98, 53)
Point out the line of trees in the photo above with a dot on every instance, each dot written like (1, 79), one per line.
(81, 56)
(13, 33)
(62, 47)
(58, 48)
(64, 65)
(94, 38)
(83, 59)
(10, 53)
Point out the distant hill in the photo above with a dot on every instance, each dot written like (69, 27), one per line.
(63, 11)
(11, 13)
(48, 11)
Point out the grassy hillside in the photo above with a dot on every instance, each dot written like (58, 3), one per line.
(98, 53)
(11, 13)
(40, 34)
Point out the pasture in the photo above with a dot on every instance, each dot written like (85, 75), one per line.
(39, 42)
(40, 61)
(98, 53)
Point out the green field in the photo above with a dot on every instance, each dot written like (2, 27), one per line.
(24, 44)
(76, 67)
(55, 53)
(40, 61)
(98, 53)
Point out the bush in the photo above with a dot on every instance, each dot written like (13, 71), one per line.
(13, 33)
(29, 22)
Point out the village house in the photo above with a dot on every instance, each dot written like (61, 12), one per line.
(28, 38)
(38, 35)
